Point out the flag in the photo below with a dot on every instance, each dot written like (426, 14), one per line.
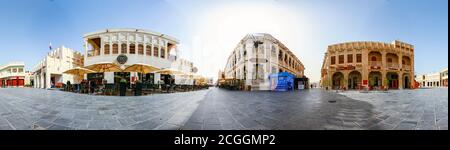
(50, 46)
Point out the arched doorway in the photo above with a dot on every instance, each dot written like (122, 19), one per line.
(338, 79)
(375, 79)
(392, 80)
(354, 80)
(406, 81)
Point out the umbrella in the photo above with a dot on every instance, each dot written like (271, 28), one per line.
(78, 71)
(170, 72)
(141, 68)
(105, 67)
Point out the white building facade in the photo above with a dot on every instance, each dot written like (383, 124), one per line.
(259, 55)
(13, 75)
(138, 46)
(48, 73)
(184, 66)
(432, 80)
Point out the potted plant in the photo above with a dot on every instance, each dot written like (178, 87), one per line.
(371, 84)
(138, 88)
(123, 87)
(385, 85)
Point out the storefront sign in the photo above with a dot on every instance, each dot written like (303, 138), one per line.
(365, 82)
(122, 59)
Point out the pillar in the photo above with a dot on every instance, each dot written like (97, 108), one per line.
(401, 80)
(102, 46)
(48, 80)
(365, 66)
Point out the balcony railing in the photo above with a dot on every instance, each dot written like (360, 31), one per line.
(93, 53)
(392, 66)
(407, 67)
(375, 63)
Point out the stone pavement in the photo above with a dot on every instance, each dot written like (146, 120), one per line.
(421, 109)
(218, 109)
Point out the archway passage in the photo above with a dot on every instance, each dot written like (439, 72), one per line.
(354, 80)
(406, 82)
(338, 78)
(375, 79)
(392, 80)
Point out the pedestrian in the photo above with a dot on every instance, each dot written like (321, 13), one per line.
(68, 86)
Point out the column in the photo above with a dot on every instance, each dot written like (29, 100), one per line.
(166, 50)
(128, 43)
(42, 83)
(346, 73)
(85, 51)
(119, 42)
(401, 80)
(145, 46)
(400, 60)
(110, 44)
(365, 66)
(102, 46)
(383, 68)
(47, 80)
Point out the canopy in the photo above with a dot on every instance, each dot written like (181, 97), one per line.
(105, 67)
(141, 68)
(79, 71)
(170, 72)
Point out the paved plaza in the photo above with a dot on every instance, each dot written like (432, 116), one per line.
(218, 109)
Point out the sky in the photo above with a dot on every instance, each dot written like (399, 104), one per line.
(209, 30)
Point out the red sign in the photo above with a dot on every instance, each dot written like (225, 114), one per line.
(365, 82)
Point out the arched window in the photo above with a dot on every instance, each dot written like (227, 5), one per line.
(115, 49)
(149, 50)
(389, 60)
(374, 58)
(403, 62)
(132, 49)
(141, 49)
(155, 52)
(106, 49)
(123, 48)
(163, 53)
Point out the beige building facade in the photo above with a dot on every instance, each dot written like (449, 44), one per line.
(48, 73)
(373, 65)
(256, 57)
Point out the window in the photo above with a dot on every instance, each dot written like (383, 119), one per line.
(106, 49)
(115, 49)
(280, 56)
(20, 70)
(141, 49)
(155, 52)
(148, 50)
(374, 58)
(163, 53)
(123, 48)
(358, 58)
(333, 60)
(274, 51)
(350, 58)
(132, 49)
(341, 59)
(389, 60)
